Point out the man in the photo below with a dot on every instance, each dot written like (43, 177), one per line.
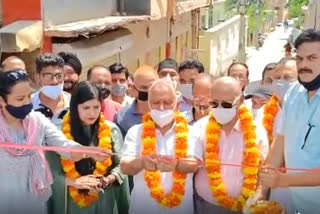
(227, 145)
(286, 70)
(298, 143)
(239, 71)
(131, 92)
(259, 97)
(163, 160)
(51, 100)
(72, 70)
(188, 72)
(169, 67)
(268, 73)
(101, 76)
(132, 114)
(119, 86)
(13, 62)
(201, 96)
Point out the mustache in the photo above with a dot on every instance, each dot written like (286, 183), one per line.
(305, 70)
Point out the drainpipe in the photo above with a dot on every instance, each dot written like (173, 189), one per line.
(121, 7)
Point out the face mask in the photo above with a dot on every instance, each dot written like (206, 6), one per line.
(224, 115)
(142, 95)
(311, 86)
(186, 90)
(105, 91)
(281, 87)
(19, 112)
(52, 91)
(162, 118)
(119, 90)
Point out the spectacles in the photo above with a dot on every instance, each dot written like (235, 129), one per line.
(223, 104)
(17, 75)
(49, 76)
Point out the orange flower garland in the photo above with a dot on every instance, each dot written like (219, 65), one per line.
(270, 112)
(251, 161)
(104, 133)
(153, 179)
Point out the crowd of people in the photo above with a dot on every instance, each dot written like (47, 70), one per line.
(169, 140)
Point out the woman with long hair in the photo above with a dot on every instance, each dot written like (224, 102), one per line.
(25, 177)
(74, 189)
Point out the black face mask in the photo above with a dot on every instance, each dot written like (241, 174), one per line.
(105, 92)
(142, 95)
(311, 86)
(19, 112)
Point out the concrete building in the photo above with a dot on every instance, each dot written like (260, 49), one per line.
(102, 31)
(311, 15)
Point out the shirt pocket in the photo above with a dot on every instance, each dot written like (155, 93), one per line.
(311, 141)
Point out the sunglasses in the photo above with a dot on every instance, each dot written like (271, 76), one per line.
(223, 104)
(17, 75)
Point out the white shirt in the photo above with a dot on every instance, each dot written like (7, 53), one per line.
(141, 201)
(277, 124)
(185, 108)
(230, 152)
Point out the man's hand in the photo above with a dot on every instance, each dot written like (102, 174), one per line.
(149, 162)
(167, 163)
(258, 196)
(272, 178)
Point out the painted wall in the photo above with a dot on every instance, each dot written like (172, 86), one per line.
(145, 44)
(219, 46)
(64, 11)
(312, 15)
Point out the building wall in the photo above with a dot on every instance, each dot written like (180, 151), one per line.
(312, 15)
(147, 46)
(65, 11)
(223, 43)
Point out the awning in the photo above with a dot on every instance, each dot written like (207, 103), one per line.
(21, 36)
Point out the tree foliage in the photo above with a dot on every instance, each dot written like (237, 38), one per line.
(295, 7)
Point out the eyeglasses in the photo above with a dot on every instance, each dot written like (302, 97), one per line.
(223, 104)
(17, 75)
(50, 76)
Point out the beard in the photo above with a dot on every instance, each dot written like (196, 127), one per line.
(68, 86)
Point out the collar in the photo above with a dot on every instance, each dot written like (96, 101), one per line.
(172, 129)
(133, 108)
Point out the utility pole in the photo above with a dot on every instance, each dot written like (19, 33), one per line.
(242, 31)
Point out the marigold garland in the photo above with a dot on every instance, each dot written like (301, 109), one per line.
(270, 112)
(104, 135)
(251, 161)
(153, 179)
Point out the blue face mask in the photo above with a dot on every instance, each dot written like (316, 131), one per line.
(19, 112)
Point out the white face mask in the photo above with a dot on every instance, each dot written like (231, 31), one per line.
(224, 115)
(52, 91)
(186, 90)
(162, 118)
(281, 87)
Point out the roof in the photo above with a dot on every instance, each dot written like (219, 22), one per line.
(92, 26)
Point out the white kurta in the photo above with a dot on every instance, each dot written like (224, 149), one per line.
(141, 201)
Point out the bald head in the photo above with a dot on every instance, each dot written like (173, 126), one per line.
(286, 70)
(226, 89)
(13, 62)
(144, 77)
(162, 95)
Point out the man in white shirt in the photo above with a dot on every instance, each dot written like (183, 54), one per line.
(165, 125)
(51, 100)
(230, 147)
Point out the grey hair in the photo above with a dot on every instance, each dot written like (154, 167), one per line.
(164, 81)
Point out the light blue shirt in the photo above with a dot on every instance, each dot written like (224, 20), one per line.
(301, 130)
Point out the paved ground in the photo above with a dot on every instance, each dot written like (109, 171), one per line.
(272, 51)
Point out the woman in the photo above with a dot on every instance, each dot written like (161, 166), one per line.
(25, 177)
(74, 189)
